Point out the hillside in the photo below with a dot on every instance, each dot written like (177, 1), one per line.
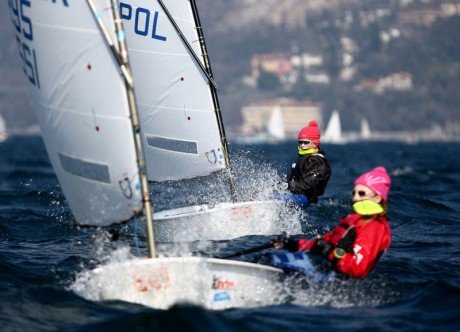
(363, 45)
(426, 47)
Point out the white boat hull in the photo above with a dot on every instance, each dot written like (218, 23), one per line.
(162, 282)
(222, 222)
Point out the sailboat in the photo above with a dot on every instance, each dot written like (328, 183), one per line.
(365, 132)
(275, 127)
(3, 132)
(84, 95)
(182, 128)
(333, 132)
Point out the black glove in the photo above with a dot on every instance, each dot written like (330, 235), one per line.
(346, 242)
(321, 247)
(291, 245)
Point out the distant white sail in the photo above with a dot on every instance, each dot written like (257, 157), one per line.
(177, 114)
(3, 134)
(275, 125)
(365, 129)
(333, 132)
(81, 105)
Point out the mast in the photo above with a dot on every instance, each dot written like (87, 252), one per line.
(123, 50)
(213, 86)
(220, 122)
(122, 58)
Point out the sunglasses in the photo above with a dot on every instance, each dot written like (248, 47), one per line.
(306, 142)
(361, 193)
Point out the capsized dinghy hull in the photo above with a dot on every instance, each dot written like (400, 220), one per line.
(224, 221)
(162, 282)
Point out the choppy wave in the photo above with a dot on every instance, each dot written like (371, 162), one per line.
(414, 286)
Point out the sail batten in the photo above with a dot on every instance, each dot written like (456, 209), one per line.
(174, 108)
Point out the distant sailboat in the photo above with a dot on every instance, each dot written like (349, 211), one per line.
(365, 129)
(3, 134)
(333, 132)
(275, 127)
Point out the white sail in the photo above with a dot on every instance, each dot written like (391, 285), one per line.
(81, 105)
(275, 126)
(3, 134)
(365, 129)
(177, 113)
(333, 132)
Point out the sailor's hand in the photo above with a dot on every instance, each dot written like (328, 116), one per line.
(285, 243)
(279, 242)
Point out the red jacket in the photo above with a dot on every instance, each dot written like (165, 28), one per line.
(373, 237)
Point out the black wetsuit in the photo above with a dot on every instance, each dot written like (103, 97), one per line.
(310, 175)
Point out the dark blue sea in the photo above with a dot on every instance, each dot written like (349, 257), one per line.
(415, 286)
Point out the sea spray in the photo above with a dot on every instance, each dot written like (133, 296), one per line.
(342, 292)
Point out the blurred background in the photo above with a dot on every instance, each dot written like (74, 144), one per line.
(390, 69)
(366, 70)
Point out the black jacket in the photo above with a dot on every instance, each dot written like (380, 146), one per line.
(310, 175)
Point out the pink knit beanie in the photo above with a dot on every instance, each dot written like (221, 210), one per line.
(377, 180)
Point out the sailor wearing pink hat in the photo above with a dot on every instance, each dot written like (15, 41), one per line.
(310, 174)
(376, 180)
(355, 245)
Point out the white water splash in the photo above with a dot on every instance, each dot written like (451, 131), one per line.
(83, 283)
(402, 171)
(255, 213)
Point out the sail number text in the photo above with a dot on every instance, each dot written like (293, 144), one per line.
(24, 36)
(145, 21)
